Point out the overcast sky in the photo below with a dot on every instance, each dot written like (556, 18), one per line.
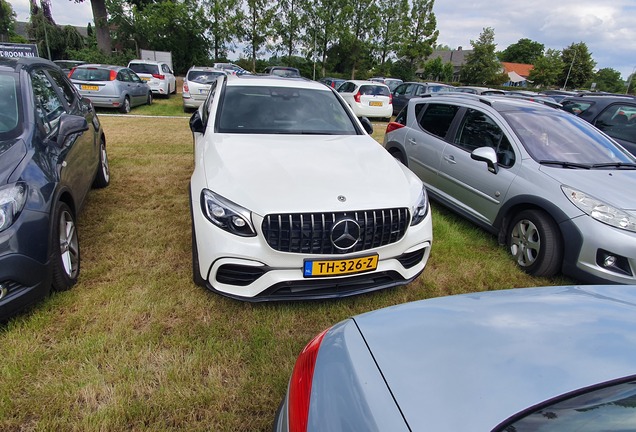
(606, 26)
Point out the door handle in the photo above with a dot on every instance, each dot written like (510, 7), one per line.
(450, 159)
(412, 141)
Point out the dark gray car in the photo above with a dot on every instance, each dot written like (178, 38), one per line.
(553, 188)
(409, 90)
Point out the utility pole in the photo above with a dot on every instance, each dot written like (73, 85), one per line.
(569, 70)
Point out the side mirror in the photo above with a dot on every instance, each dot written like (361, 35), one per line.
(366, 124)
(70, 125)
(196, 124)
(488, 155)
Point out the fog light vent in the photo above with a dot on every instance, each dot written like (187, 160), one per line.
(613, 262)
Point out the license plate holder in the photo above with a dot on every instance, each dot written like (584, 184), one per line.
(339, 267)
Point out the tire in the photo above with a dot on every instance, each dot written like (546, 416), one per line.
(149, 98)
(535, 243)
(66, 252)
(102, 179)
(125, 107)
(398, 156)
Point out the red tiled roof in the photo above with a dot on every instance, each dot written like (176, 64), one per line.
(520, 68)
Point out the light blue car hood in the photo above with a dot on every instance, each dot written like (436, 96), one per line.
(615, 187)
(470, 362)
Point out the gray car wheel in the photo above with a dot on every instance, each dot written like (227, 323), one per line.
(125, 107)
(66, 252)
(535, 243)
(149, 99)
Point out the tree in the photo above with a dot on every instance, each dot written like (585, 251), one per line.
(363, 20)
(421, 34)
(524, 51)
(547, 69)
(393, 16)
(326, 16)
(290, 23)
(578, 66)
(482, 66)
(609, 80)
(223, 26)
(7, 21)
(257, 24)
(102, 31)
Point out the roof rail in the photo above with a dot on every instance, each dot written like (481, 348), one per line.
(464, 95)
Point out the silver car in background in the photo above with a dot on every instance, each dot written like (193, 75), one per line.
(196, 85)
(109, 86)
(558, 192)
(529, 359)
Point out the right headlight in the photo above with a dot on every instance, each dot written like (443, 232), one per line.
(420, 209)
(600, 210)
(12, 200)
(226, 215)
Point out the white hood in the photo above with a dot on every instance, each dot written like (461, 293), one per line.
(307, 173)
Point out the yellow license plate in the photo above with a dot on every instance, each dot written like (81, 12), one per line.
(375, 103)
(340, 267)
(89, 87)
(145, 78)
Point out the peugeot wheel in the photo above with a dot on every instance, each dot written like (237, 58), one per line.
(535, 243)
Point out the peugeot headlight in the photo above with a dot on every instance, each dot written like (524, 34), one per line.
(600, 210)
(420, 209)
(227, 215)
(12, 199)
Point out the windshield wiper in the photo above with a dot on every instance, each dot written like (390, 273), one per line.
(628, 165)
(565, 164)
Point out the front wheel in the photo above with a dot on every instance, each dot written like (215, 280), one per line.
(535, 243)
(66, 252)
(149, 99)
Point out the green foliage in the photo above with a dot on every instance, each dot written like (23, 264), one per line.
(436, 70)
(222, 26)
(578, 67)
(7, 20)
(393, 15)
(257, 25)
(547, 69)
(482, 66)
(289, 20)
(631, 84)
(421, 34)
(524, 51)
(608, 80)
(404, 70)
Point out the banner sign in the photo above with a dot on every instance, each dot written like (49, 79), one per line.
(18, 50)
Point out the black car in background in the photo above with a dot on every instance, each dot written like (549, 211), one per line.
(52, 150)
(409, 90)
(613, 114)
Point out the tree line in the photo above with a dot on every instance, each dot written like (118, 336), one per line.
(344, 38)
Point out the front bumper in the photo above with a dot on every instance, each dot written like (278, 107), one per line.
(247, 268)
(589, 242)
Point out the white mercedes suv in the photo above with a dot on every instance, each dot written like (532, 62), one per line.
(292, 199)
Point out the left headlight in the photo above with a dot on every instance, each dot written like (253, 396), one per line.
(227, 215)
(12, 199)
(600, 210)
(420, 209)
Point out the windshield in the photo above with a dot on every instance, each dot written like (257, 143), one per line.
(90, 74)
(282, 110)
(555, 135)
(9, 107)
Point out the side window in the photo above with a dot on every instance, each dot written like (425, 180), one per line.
(401, 89)
(49, 106)
(479, 130)
(576, 107)
(67, 88)
(123, 75)
(420, 90)
(133, 76)
(438, 118)
(618, 121)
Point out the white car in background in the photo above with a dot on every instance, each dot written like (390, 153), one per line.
(158, 75)
(196, 85)
(286, 200)
(368, 98)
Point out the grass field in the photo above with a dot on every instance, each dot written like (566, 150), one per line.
(136, 346)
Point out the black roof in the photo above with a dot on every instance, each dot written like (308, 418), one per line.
(17, 63)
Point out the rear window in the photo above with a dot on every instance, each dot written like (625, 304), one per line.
(146, 68)
(374, 90)
(203, 77)
(287, 73)
(91, 74)
(282, 110)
